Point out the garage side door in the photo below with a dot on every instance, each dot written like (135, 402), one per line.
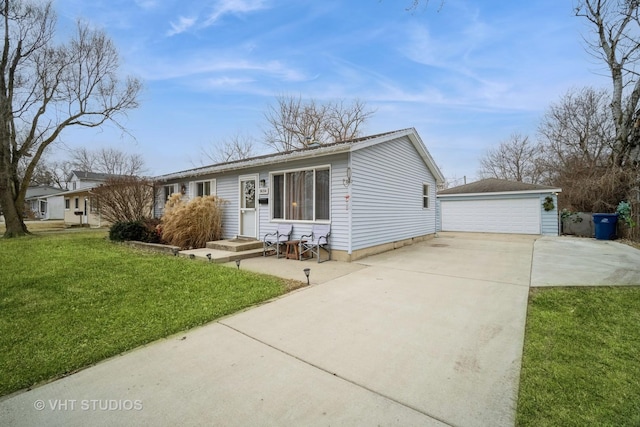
(492, 216)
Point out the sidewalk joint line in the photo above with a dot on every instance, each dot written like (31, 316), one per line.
(333, 374)
(455, 277)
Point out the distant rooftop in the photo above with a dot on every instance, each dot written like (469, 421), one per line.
(494, 185)
(95, 176)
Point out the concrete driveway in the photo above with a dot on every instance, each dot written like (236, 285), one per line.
(576, 261)
(427, 335)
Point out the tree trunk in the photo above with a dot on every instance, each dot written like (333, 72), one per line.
(14, 223)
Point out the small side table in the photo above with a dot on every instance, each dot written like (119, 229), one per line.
(293, 249)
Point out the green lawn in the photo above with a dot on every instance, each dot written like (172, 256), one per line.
(581, 364)
(69, 300)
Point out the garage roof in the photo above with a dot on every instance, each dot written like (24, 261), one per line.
(494, 185)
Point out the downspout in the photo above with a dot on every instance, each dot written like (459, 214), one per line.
(438, 223)
(349, 204)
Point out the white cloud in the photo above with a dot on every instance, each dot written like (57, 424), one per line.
(227, 82)
(183, 25)
(213, 64)
(225, 7)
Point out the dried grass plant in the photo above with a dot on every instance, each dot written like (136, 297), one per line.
(192, 224)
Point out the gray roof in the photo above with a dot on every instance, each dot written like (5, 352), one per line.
(41, 190)
(312, 151)
(494, 185)
(95, 176)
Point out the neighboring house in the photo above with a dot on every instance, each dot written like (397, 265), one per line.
(376, 192)
(499, 206)
(80, 206)
(37, 200)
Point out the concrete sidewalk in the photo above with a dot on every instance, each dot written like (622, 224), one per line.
(579, 261)
(429, 334)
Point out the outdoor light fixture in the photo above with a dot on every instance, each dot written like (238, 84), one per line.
(175, 252)
(306, 273)
(209, 257)
(192, 256)
(238, 264)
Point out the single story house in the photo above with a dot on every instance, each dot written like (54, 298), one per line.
(38, 201)
(80, 206)
(499, 206)
(376, 192)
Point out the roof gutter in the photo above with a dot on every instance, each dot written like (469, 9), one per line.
(503, 193)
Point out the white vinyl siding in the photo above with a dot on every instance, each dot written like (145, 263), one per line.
(386, 203)
(549, 219)
(227, 189)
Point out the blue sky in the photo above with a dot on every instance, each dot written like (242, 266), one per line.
(466, 75)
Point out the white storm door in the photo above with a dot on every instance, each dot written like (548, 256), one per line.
(248, 207)
(85, 211)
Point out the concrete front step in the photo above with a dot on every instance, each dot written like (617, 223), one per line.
(220, 256)
(235, 245)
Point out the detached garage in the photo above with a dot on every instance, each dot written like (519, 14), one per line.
(499, 206)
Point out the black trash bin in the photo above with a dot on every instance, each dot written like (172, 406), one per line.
(605, 225)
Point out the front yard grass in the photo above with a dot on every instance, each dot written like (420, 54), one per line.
(70, 300)
(581, 363)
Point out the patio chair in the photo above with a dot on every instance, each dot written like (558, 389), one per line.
(318, 239)
(273, 241)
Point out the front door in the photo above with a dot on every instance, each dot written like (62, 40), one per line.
(248, 207)
(85, 212)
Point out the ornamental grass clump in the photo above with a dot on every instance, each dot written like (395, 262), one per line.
(194, 223)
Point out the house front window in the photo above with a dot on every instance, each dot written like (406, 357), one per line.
(77, 203)
(425, 196)
(301, 195)
(205, 188)
(168, 191)
(67, 204)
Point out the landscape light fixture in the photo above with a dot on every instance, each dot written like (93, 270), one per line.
(238, 264)
(175, 252)
(192, 256)
(306, 273)
(209, 257)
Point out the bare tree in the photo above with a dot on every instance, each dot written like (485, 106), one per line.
(345, 120)
(578, 131)
(126, 198)
(46, 87)
(293, 123)
(615, 24)
(107, 160)
(515, 159)
(237, 147)
(577, 136)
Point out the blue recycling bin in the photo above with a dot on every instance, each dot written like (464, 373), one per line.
(605, 225)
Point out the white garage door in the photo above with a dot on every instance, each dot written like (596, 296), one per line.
(492, 216)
